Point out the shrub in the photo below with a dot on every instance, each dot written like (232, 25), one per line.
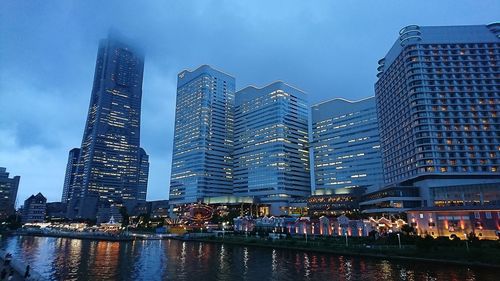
(425, 243)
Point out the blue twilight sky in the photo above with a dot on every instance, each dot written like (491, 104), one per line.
(48, 50)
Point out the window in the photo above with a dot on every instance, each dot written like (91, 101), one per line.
(488, 215)
(476, 215)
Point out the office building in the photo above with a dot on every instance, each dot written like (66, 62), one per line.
(271, 153)
(438, 103)
(55, 211)
(34, 209)
(108, 173)
(203, 137)
(346, 147)
(143, 175)
(71, 173)
(8, 194)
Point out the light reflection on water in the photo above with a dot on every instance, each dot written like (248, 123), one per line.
(73, 259)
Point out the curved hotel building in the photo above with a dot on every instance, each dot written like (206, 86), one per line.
(438, 104)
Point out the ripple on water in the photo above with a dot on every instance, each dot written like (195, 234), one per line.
(73, 259)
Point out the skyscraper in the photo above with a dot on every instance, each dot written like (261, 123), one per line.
(143, 175)
(8, 193)
(346, 147)
(203, 137)
(271, 153)
(71, 173)
(438, 103)
(109, 161)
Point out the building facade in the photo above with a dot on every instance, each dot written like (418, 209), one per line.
(109, 161)
(438, 98)
(271, 152)
(203, 137)
(390, 200)
(34, 209)
(461, 222)
(8, 194)
(71, 174)
(143, 175)
(346, 147)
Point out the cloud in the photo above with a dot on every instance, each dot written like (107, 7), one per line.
(327, 48)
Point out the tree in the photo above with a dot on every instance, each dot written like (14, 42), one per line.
(408, 229)
(125, 217)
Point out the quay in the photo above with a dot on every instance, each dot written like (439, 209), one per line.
(77, 235)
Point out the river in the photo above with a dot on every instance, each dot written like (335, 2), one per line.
(74, 259)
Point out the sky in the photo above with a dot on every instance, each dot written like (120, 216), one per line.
(48, 50)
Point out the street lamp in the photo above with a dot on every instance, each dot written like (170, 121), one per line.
(466, 242)
(305, 231)
(346, 243)
(399, 240)
(223, 229)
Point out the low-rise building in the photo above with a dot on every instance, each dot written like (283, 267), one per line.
(8, 193)
(34, 209)
(391, 200)
(459, 221)
(56, 211)
(332, 205)
(323, 226)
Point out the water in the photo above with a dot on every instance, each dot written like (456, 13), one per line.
(73, 259)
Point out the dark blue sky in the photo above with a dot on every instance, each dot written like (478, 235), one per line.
(47, 58)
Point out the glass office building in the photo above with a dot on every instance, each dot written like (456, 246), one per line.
(8, 193)
(108, 172)
(346, 147)
(438, 103)
(143, 175)
(71, 174)
(271, 153)
(202, 164)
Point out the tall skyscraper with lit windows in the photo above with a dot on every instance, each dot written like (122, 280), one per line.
(71, 174)
(108, 172)
(346, 147)
(438, 104)
(271, 152)
(202, 163)
(8, 193)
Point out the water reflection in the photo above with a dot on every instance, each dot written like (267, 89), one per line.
(72, 259)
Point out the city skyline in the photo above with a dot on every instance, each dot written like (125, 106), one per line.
(40, 158)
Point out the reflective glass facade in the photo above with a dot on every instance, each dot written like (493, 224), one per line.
(143, 175)
(8, 193)
(203, 137)
(108, 172)
(271, 154)
(346, 147)
(438, 103)
(71, 173)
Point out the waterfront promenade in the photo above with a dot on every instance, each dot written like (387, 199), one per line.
(483, 253)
